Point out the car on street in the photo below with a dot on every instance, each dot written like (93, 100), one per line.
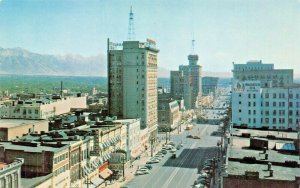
(196, 137)
(173, 150)
(148, 166)
(152, 162)
(138, 173)
(189, 136)
(164, 152)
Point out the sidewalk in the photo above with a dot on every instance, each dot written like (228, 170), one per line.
(145, 156)
(129, 172)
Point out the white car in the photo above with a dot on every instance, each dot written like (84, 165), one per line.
(173, 150)
(138, 173)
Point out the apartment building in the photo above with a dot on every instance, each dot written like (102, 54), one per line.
(132, 82)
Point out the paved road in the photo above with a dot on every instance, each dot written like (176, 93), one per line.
(182, 171)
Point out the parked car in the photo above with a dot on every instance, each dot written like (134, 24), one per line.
(173, 156)
(138, 173)
(173, 150)
(196, 137)
(152, 162)
(148, 166)
(164, 152)
(189, 136)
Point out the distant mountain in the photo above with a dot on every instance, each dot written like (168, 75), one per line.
(19, 61)
(23, 62)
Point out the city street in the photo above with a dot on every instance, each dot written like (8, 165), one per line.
(182, 171)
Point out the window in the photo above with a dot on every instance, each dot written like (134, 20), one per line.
(267, 120)
(249, 103)
(249, 120)
(267, 104)
(254, 103)
(249, 95)
(290, 95)
(274, 95)
(240, 110)
(274, 103)
(290, 112)
(267, 95)
(254, 95)
(254, 120)
(274, 120)
(254, 111)
(290, 104)
(240, 102)
(240, 95)
(249, 111)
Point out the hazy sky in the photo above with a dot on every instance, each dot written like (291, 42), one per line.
(224, 30)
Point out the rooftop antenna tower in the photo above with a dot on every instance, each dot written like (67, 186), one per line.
(131, 34)
(193, 46)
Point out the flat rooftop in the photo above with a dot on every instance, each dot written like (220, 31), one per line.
(254, 132)
(279, 172)
(31, 149)
(10, 123)
(240, 148)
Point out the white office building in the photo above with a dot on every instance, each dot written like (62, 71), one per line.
(269, 108)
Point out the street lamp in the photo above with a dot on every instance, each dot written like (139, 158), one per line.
(123, 160)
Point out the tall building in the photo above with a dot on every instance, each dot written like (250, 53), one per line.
(132, 82)
(186, 82)
(265, 73)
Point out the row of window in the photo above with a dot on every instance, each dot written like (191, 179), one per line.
(274, 104)
(10, 181)
(60, 158)
(267, 95)
(61, 170)
(274, 120)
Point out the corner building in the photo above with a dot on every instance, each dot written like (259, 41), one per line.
(132, 82)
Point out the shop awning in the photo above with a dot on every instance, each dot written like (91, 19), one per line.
(97, 181)
(106, 173)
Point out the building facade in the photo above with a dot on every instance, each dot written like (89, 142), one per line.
(209, 85)
(169, 114)
(269, 108)
(265, 73)
(40, 108)
(10, 173)
(186, 83)
(132, 82)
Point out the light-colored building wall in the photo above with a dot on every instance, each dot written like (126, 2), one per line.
(41, 108)
(132, 83)
(10, 174)
(275, 108)
(269, 77)
(13, 128)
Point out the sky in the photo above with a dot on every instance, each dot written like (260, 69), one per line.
(225, 31)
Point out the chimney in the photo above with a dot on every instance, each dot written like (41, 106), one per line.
(266, 156)
(269, 165)
(271, 173)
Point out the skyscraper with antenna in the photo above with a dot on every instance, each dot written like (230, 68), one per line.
(131, 34)
(187, 82)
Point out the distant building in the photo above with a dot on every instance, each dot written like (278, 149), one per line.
(13, 128)
(269, 108)
(41, 108)
(168, 112)
(209, 85)
(265, 73)
(186, 83)
(10, 173)
(132, 82)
